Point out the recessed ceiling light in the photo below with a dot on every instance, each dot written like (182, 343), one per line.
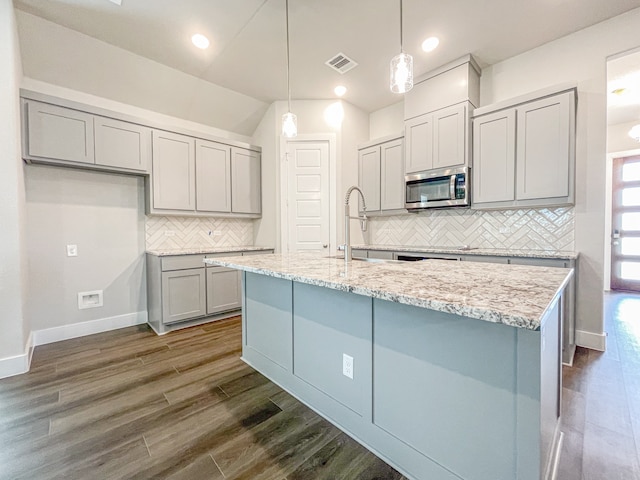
(340, 90)
(200, 41)
(430, 44)
(619, 91)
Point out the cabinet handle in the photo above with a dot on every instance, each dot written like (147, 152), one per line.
(324, 245)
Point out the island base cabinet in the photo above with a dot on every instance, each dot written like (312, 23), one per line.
(436, 395)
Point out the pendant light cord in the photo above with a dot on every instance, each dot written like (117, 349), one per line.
(401, 50)
(288, 82)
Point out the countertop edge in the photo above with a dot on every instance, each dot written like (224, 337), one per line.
(205, 250)
(486, 252)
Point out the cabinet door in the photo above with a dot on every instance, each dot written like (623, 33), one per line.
(245, 181)
(59, 133)
(369, 177)
(543, 156)
(494, 157)
(183, 295)
(122, 144)
(392, 175)
(213, 177)
(224, 291)
(173, 172)
(418, 134)
(449, 136)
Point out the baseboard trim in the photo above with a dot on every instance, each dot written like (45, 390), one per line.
(20, 363)
(75, 330)
(594, 341)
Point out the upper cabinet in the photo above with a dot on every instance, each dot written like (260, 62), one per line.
(381, 174)
(245, 181)
(59, 135)
(191, 174)
(437, 114)
(524, 154)
(121, 144)
(173, 174)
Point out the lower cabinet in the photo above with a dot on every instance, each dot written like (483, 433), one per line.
(182, 291)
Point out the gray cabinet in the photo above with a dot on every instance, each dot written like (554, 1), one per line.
(121, 144)
(173, 174)
(438, 139)
(524, 156)
(224, 291)
(57, 133)
(213, 177)
(381, 175)
(183, 295)
(245, 181)
(64, 136)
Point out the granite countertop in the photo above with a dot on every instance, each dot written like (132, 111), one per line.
(205, 250)
(498, 252)
(510, 294)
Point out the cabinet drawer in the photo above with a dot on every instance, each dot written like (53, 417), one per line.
(182, 262)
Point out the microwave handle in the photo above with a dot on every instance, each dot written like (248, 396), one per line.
(452, 187)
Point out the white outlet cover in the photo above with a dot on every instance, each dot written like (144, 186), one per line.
(72, 250)
(91, 299)
(347, 365)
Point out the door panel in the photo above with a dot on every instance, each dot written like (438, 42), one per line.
(369, 181)
(625, 222)
(183, 295)
(245, 181)
(223, 290)
(449, 137)
(391, 175)
(122, 144)
(308, 195)
(173, 171)
(419, 144)
(213, 177)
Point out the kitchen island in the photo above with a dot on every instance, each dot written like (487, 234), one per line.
(446, 370)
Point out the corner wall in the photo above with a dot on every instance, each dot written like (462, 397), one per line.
(14, 324)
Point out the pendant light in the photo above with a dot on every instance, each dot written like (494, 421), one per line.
(401, 67)
(289, 120)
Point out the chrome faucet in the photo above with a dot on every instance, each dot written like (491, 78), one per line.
(347, 222)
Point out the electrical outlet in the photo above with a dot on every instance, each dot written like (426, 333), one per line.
(72, 250)
(209, 232)
(169, 233)
(347, 366)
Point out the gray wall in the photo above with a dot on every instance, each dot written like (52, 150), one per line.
(103, 214)
(13, 324)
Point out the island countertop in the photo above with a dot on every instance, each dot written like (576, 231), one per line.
(514, 295)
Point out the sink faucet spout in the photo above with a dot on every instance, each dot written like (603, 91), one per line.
(347, 221)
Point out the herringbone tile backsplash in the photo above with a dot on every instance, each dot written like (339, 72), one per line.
(166, 233)
(541, 229)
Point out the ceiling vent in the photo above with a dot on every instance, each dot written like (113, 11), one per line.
(341, 63)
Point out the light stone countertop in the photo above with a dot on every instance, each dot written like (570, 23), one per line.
(498, 252)
(510, 294)
(205, 250)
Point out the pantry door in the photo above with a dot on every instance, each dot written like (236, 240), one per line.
(625, 224)
(307, 205)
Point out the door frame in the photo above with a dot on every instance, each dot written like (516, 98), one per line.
(330, 138)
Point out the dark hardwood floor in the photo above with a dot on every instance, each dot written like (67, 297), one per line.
(601, 401)
(130, 404)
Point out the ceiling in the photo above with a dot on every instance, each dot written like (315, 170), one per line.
(247, 52)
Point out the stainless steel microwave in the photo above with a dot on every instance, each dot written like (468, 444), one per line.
(437, 188)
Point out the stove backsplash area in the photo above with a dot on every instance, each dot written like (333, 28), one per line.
(527, 229)
(168, 233)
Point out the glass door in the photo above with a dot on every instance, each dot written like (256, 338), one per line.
(625, 222)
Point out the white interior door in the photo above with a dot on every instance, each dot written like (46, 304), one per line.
(308, 196)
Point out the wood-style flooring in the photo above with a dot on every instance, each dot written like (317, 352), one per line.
(601, 401)
(130, 404)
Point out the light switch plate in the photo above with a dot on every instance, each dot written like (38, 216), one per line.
(72, 250)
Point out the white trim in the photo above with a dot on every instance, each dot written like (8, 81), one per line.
(594, 341)
(330, 138)
(19, 364)
(74, 330)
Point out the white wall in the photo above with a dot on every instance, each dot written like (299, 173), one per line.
(618, 139)
(101, 213)
(311, 120)
(387, 121)
(60, 56)
(581, 58)
(14, 324)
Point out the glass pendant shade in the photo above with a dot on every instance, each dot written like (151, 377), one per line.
(289, 125)
(401, 73)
